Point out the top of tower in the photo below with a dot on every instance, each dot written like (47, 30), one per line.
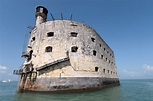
(41, 11)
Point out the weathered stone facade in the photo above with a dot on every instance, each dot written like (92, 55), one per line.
(67, 55)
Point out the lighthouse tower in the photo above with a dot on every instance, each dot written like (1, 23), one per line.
(41, 15)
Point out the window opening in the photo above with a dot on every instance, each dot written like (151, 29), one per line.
(94, 52)
(102, 56)
(104, 49)
(96, 69)
(74, 25)
(33, 39)
(30, 55)
(50, 34)
(74, 34)
(74, 49)
(108, 71)
(100, 45)
(93, 39)
(48, 49)
(103, 70)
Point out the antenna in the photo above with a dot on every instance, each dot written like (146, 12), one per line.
(61, 16)
(71, 17)
(52, 16)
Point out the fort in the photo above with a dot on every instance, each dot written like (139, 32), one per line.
(64, 55)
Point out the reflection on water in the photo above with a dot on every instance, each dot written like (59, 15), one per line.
(129, 90)
(109, 94)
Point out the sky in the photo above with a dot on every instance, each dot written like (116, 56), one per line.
(125, 25)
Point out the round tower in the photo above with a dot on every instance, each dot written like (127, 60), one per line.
(41, 15)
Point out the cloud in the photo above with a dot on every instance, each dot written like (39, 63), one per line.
(3, 69)
(148, 68)
(131, 73)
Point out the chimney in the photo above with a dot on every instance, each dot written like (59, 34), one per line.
(41, 15)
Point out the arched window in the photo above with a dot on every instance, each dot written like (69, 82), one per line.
(96, 69)
(48, 49)
(102, 56)
(74, 49)
(94, 52)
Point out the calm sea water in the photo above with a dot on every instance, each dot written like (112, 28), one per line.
(129, 90)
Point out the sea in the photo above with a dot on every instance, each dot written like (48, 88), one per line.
(129, 90)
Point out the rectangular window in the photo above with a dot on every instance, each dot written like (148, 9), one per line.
(74, 34)
(96, 69)
(100, 45)
(74, 49)
(48, 49)
(94, 52)
(50, 34)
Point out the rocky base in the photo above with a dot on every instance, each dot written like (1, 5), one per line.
(69, 84)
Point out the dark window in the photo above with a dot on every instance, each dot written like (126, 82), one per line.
(106, 59)
(94, 52)
(108, 71)
(104, 49)
(110, 54)
(107, 51)
(74, 25)
(100, 45)
(33, 39)
(102, 56)
(74, 34)
(30, 55)
(96, 69)
(93, 39)
(48, 49)
(74, 49)
(50, 34)
(109, 61)
(103, 70)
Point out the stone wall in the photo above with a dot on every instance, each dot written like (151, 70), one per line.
(89, 55)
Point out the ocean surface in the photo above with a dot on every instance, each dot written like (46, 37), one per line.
(129, 90)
